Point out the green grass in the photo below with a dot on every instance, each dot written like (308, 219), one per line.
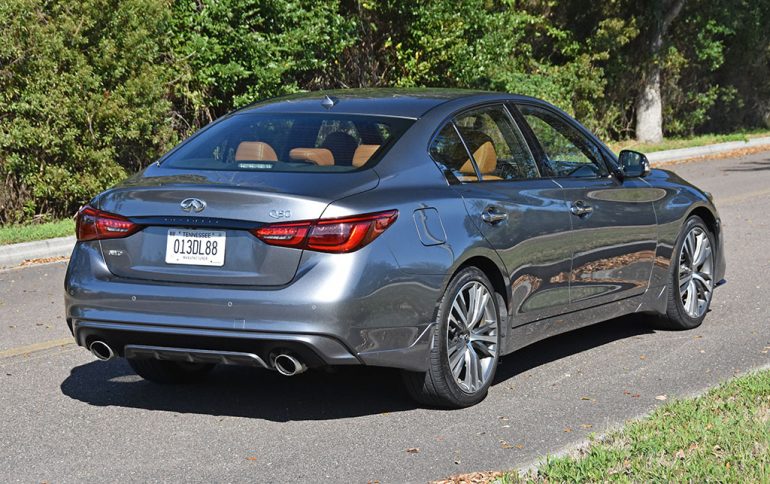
(675, 143)
(13, 234)
(721, 436)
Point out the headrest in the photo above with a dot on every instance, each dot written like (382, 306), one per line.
(255, 150)
(342, 145)
(319, 156)
(480, 144)
(363, 153)
(486, 158)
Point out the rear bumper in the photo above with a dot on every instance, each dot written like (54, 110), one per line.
(353, 322)
(315, 350)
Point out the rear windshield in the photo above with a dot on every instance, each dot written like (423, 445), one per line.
(289, 142)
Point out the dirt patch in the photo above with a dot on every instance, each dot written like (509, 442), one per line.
(472, 478)
(42, 260)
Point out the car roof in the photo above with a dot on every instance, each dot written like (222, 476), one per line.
(396, 102)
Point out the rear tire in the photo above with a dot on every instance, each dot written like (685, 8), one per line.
(468, 336)
(690, 279)
(169, 372)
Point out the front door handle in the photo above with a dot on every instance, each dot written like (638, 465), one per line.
(580, 208)
(492, 216)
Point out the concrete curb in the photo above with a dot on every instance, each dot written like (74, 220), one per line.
(12, 255)
(15, 254)
(663, 157)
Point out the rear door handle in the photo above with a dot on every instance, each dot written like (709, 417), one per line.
(580, 208)
(492, 215)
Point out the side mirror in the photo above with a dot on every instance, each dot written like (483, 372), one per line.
(634, 164)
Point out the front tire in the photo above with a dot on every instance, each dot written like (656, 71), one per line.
(466, 345)
(169, 372)
(691, 279)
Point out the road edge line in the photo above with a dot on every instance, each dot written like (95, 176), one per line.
(34, 348)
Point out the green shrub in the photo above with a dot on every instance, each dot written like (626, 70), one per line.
(84, 99)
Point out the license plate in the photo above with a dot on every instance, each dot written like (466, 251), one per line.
(195, 247)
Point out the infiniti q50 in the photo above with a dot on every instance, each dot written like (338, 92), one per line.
(433, 231)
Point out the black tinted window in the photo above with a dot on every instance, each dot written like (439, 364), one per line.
(289, 142)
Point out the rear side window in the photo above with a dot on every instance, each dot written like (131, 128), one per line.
(498, 147)
(489, 147)
(289, 142)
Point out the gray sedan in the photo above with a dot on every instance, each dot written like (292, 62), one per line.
(432, 231)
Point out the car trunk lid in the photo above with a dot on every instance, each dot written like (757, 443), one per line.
(232, 204)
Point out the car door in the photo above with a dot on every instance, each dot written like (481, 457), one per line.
(614, 229)
(521, 214)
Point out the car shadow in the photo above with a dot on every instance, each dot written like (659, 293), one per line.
(315, 395)
(751, 166)
(572, 343)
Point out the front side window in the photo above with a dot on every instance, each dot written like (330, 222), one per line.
(289, 142)
(568, 152)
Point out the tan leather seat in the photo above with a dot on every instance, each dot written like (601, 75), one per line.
(486, 159)
(363, 153)
(319, 156)
(255, 150)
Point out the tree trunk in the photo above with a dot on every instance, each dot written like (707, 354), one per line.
(649, 109)
(649, 105)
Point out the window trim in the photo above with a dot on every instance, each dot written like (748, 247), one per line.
(468, 152)
(587, 135)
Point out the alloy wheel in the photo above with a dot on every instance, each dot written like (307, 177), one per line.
(472, 337)
(696, 267)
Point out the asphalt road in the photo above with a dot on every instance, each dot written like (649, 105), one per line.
(65, 417)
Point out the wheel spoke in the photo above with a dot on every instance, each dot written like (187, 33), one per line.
(458, 359)
(697, 248)
(702, 286)
(482, 348)
(703, 279)
(457, 324)
(690, 301)
(684, 283)
(467, 379)
(454, 347)
(703, 255)
(484, 338)
(482, 297)
(689, 245)
(472, 373)
(459, 310)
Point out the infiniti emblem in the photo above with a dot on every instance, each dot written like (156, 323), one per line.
(193, 205)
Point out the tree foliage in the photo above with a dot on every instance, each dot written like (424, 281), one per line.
(93, 90)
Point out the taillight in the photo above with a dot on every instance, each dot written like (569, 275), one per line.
(287, 235)
(328, 235)
(93, 224)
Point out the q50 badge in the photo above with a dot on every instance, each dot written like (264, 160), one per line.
(280, 213)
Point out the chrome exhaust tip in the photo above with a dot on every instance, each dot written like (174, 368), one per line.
(288, 365)
(101, 350)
